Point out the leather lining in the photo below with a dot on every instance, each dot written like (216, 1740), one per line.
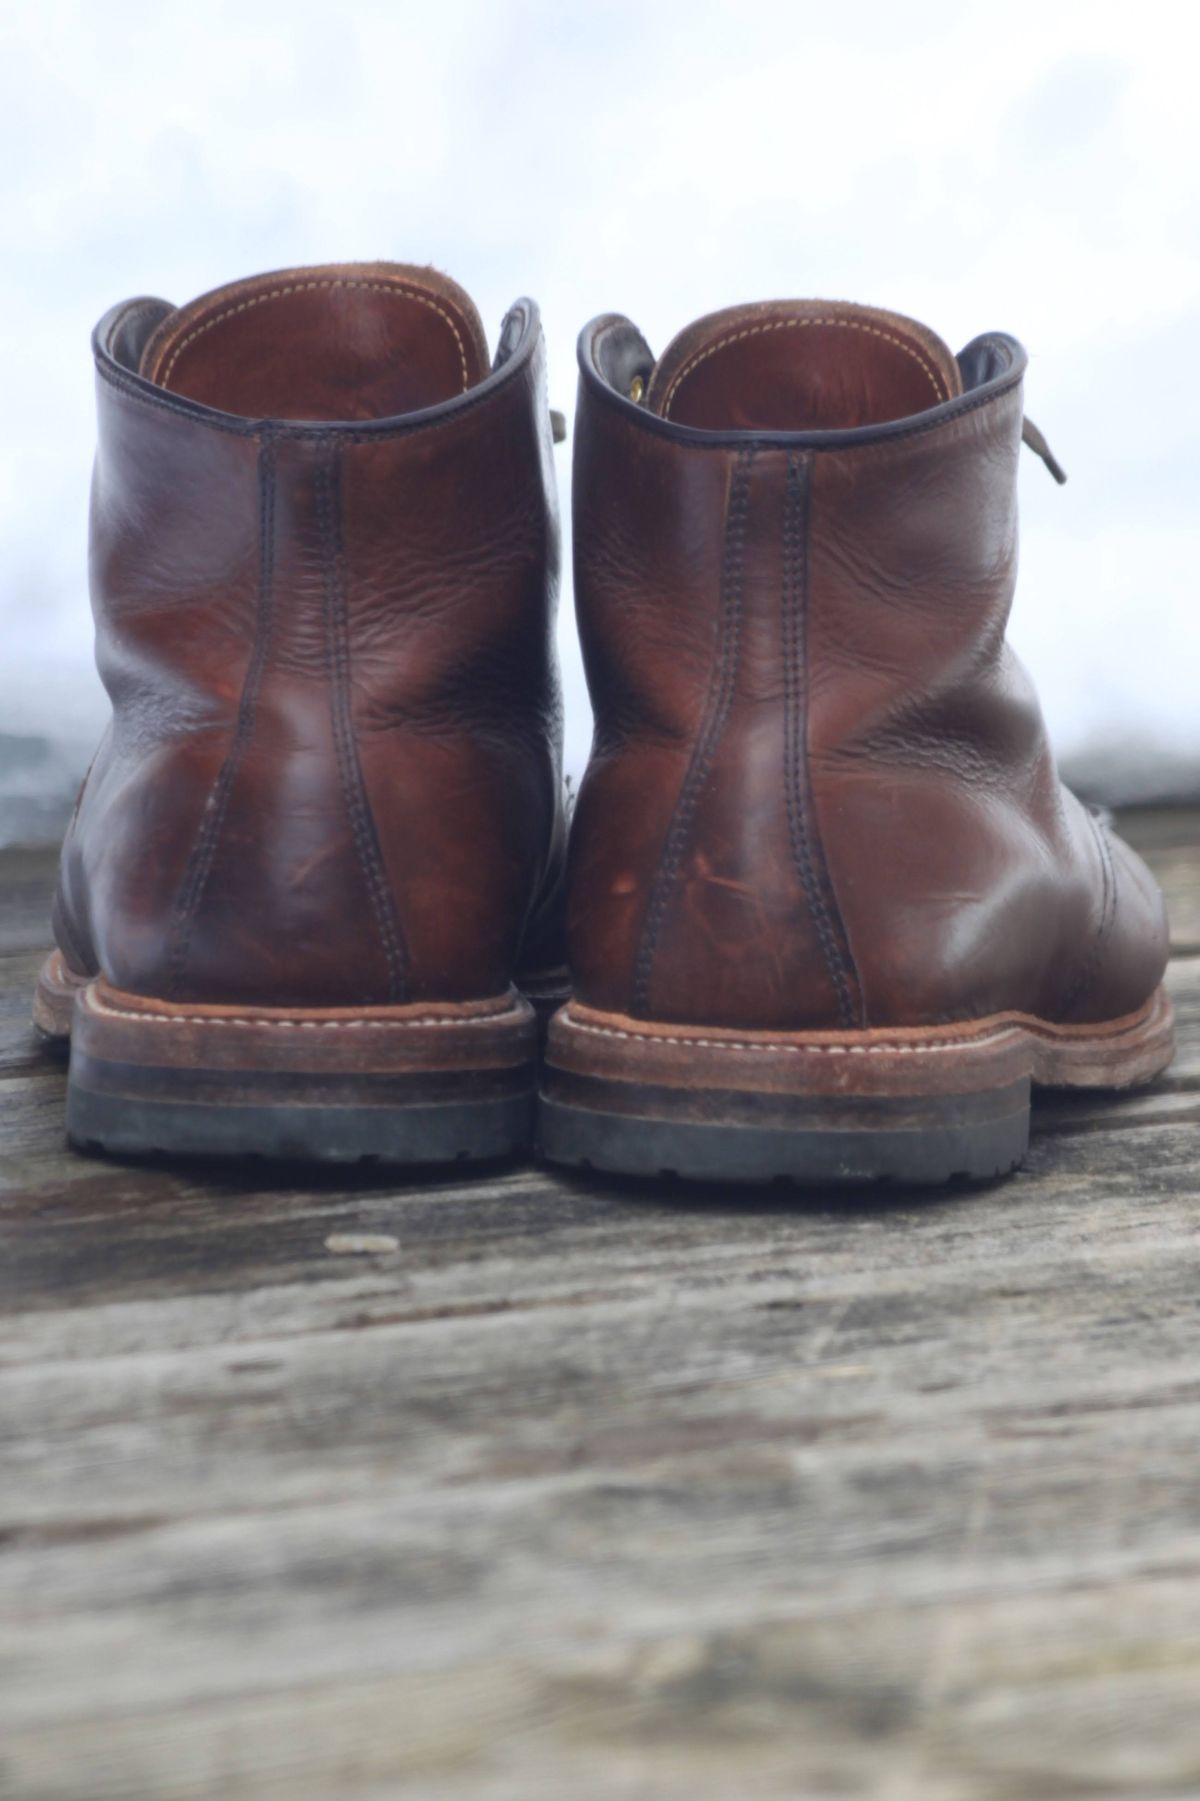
(801, 364)
(356, 340)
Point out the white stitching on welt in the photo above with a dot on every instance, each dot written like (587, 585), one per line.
(754, 331)
(798, 1050)
(297, 1025)
(303, 287)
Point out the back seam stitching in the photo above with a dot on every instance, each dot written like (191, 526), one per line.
(806, 849)
(716, 711)
(362, 824)
(199, 866)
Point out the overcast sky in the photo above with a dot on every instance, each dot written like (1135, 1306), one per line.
(1031, 168)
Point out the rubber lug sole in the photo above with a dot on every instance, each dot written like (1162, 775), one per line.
(636, 1098)
(415, 1085)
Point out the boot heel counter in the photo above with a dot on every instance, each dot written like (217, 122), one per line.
(709, 902)
(725, 924)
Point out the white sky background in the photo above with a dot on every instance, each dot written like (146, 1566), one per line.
(1033, 168)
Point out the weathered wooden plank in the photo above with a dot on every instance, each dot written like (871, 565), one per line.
(601, 1489)
(20, 1048)
(26, 888)
(1049, 1694)
(791, 1708)
(1169, 839)
(800, 1418)
(747, 1585)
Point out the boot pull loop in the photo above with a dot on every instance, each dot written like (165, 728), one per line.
(1037, 443)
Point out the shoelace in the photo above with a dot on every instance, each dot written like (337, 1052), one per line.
(1037, 443)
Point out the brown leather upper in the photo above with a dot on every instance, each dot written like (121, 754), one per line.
(324, 565)
(821, 793)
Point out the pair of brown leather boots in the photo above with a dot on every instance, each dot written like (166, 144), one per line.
(828, 912)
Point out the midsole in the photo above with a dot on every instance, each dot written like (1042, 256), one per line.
(783, 1112)
(420, 1054)
(64, 1000)
(54, 996)
(972, 1057)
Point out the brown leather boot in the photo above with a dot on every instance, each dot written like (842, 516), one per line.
(323, 836)
(830, 911)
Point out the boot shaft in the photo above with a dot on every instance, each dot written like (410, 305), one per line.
(324, 562)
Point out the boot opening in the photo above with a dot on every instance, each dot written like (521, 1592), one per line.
(354, 341)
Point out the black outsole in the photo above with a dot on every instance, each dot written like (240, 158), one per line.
(447, 1132)
(926, 1155)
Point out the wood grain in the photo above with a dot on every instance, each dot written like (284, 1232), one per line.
(601, 1490)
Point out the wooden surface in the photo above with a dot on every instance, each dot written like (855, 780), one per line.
(521, 1488)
